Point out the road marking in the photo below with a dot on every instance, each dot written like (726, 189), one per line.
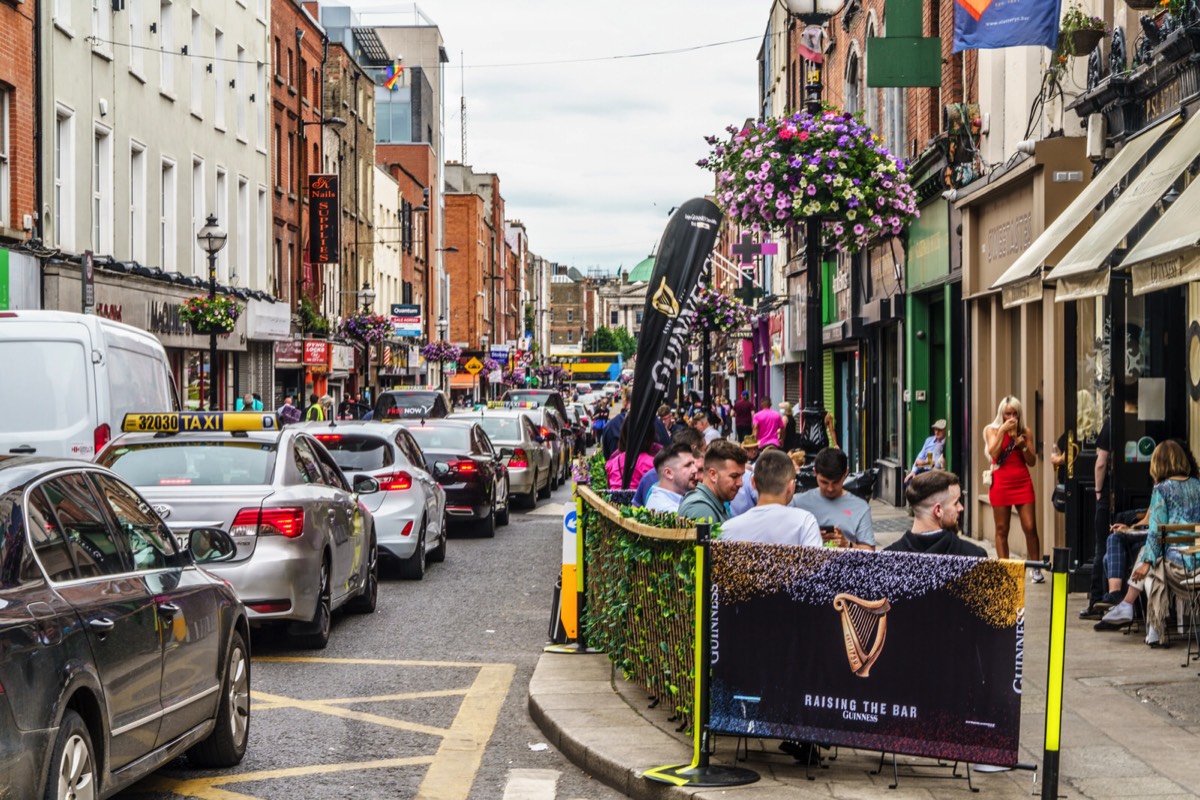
(377, 662)
(549, 510)
(206, 788)
(453, 769)
(344, 713)
(531, 784)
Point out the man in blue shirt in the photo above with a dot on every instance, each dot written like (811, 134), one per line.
(932, 454)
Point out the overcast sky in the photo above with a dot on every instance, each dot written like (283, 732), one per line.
(592, 156)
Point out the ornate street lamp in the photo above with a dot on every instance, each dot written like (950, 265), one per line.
(211, 239)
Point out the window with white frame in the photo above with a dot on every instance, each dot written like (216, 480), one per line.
(167, 217)
(853, 99)
(137, 41)
(260, 268)
(166, 40)
(239, 94)
(219, 74)
(196, 89)
(102, 26)
(241, 265)
(137, 202)
(64, 179)
(198, 266)
(222, 212)
(102, 191)
(6, 216)
(62, 12)
(896, 120)
(871, 98)
(260, 103)
(570, 315)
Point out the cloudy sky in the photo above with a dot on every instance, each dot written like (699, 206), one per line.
(591, 156)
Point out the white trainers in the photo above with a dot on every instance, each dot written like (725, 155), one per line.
(1152, 637)
(1038, 577)
(1121, 613)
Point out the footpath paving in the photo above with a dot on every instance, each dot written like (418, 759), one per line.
(1131, 724)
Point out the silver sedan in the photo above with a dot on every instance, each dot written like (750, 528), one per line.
(305, 542)
(410, 508)
(515, 434)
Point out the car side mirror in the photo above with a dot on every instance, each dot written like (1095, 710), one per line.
(441, 469)
(365, 484)
(210, 545)
(506, 451)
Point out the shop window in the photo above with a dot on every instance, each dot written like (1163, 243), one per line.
(1093, 365)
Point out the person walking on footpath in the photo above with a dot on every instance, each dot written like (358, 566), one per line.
(743, 416)
(316, 411)
(1010, 447)
(288, 413)
(767, 425)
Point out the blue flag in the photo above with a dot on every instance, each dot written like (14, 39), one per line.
(991, 24)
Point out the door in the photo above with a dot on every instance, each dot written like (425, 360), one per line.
(187, 607)
(116, 609)
(416, 459)
(337, 513)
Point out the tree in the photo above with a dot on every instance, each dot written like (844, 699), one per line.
(603, 341)
(625, 342)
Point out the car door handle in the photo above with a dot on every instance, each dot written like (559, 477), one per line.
(101, 624)
(168, 609)
(23, 450)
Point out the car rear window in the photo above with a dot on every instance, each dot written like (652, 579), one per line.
(50, 393)
(433, 438)
(406, 405)
(527, 397)
(193, 463)
(501, 429)
(357, 452)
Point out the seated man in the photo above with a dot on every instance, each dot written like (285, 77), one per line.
(845, 519)
(686, 435)
(773, 521)
(935, 498)
(677, 468)
(724, 464)
(932, 454)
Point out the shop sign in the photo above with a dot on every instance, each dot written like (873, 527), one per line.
(341, 358)
(1002, 230)
(1163, 273)
(1022, 292)
(268, 321)
(315, 353)
(1083, 287)
(289, 354)
(929, 245)
(323, 219)
(406, 319)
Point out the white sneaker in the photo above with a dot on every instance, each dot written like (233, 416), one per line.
(1120, 613)
(1038, 577)
(991, 768)
(1152, 637)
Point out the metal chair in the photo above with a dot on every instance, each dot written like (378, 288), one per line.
(1185, 537)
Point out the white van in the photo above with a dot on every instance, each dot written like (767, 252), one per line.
(67, 380)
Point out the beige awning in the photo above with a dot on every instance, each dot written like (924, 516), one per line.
(1082, 263)
(1031, 261)
(1169, 255)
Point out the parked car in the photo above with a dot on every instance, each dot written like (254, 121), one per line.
(306, 544)
(118, 653)
(538, 397)
(461, 457)
(514, 433)
(411, 404)
(80, 375)
(410, 507)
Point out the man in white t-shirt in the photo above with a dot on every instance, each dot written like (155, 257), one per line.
(678, 469)
(773, 521)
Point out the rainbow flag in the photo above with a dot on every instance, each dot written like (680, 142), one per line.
(394, 73)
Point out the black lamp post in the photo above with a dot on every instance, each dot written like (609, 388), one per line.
(366, 298)
(443, 331)
(814, 437)
(211, 239)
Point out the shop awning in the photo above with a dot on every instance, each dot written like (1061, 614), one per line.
(1082, 271)
(1169, 255)
(1022, 282)
(463, 380)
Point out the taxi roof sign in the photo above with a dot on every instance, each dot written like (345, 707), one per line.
(198, 422)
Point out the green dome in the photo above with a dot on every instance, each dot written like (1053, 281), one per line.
(642, 272)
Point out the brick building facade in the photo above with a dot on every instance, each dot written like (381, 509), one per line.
(18, 193)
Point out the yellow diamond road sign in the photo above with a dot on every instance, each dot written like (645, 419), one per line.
(473, 366)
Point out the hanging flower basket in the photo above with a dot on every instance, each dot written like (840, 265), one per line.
(207, 316)
(717, 313)
(490, 365)
(441, 351)
(366, 326)
(1143, 5)
(1084, 42)
(776, 174)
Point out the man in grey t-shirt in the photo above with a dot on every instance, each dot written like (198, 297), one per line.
(844, 518)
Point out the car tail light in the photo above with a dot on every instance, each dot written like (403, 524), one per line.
(329, 437)
(464, 467)
(408, 526)
(397, 481)
(287, 522)
(519, 459)
(544, 431)
(100, 436)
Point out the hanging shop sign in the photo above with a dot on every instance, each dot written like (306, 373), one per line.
(323, 231)
(289, 353)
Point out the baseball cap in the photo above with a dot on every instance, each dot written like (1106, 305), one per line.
(940, 425)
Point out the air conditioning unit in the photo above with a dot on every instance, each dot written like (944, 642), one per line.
(1097, 134)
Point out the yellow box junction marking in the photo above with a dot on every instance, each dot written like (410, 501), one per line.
(451, 770)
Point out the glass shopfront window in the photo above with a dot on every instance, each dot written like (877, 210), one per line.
(1093, 368)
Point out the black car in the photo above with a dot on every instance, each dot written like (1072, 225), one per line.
(117, 653)
(474, 475)
(411, 404)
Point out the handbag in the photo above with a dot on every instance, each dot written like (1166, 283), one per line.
(1059, 498)
(987, 478)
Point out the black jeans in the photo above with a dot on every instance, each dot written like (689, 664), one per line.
(1101, 523)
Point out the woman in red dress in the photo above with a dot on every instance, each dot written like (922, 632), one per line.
(1010, 447)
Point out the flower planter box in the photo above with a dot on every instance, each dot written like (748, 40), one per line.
(1084, 42)
(207, 329)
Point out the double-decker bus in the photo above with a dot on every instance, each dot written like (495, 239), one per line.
(593, 368)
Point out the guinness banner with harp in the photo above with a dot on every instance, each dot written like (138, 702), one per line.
(683, 256)
(894, 652)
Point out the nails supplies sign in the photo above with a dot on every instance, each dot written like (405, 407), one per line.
(323, 236)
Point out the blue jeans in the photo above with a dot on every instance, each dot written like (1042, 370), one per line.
(1120, 550)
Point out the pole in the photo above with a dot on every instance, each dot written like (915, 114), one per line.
(813, 435)
(212, 335)
(1054, 672)
(706, 357)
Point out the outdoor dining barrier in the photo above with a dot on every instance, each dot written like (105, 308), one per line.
(892, 652)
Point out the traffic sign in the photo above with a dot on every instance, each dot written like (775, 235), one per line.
(474, 366)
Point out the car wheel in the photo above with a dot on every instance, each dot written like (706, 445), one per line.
(366, 601)
(315, 634)
(413, 567)
(502, 513)
(73, 763)
(487, 525)
(438, 554)
(544, 492)
(529, 499)
(226, 745)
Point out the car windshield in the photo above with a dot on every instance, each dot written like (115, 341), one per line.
(352, 452)
(181, 463)
(501, 429)
(436, 438)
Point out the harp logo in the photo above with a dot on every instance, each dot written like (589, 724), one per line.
(664, 300)
(864, 628)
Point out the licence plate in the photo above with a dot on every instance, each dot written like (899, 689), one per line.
(183, 541)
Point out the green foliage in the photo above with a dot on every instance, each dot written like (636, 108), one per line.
(311, 318)
(613, 340)
(626, 344)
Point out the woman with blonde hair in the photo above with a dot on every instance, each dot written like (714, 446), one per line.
(1010, 448)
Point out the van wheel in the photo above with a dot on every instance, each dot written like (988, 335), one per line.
(226, 745)
(72, 764)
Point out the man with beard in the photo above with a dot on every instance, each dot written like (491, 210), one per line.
(678, 471)
(724, 465)
(936, 501)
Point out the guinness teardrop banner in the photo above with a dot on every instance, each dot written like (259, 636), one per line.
(893, 652)
(683, 256)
